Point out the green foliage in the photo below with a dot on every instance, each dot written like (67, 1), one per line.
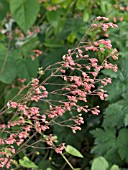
(99, 164)
(114, 167)
(105, 140)
(111, 138)
(29, 66)
(105, 6)
(122, 142)
(46, 165)
(4, 7)
(114, 116)
(25, 162)
(7, 66)
(24, 12)
(12, 66)
(73, 151)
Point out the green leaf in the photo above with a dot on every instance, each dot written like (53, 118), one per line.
(114, 116)
(105, 141)
(71, 38)
(105, 6)
(110, 73)
(114, 167)
(7, 66)
(11, 94)
(28, 45)
(52, 44)
(27, 68)
(99, 164)
(119, 88)
(3, 8)
(24, 12)
(53, 17)
(126, 120)
(85, 16)
(73, 151)
(80, 4)
(8, 73)
(122, 143)
(25, 162)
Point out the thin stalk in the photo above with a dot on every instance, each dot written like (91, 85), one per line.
(67, 161)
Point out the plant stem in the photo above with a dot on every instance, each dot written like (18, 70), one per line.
(67, 161)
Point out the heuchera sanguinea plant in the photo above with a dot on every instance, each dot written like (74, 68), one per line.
(79, 72)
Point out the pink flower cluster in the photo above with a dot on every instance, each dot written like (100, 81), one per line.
(79, 72)
(103, 25)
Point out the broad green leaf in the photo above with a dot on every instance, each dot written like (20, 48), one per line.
(99, 164)
(24, 12)
(7, 66)
(27, 68)
(25, 162)
(4, 7)
(8, 71)
(11, 94)
(73, 151)
(114, 167)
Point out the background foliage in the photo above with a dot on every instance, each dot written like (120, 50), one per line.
(53, 26)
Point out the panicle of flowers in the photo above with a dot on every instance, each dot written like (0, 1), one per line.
(78, 71)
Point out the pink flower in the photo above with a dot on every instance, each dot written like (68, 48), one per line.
(34, 110)
(115, 68)
(69, 51)
(61, 148)
(104, 18)
(75, 128)
(10, 141)
(23, 135)
(94, 25)
(20, 142)
(122, 8)
(13, 104)
(115, 57)
(109, 80)
(102, 49)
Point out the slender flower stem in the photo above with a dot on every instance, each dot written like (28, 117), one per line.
(67, 161)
